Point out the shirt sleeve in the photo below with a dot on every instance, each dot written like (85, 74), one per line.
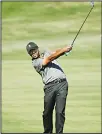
(47, 53)
(37, 64)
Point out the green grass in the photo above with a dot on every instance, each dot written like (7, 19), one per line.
(23, 96)
(85, 47)
(34, 20)
(50, 31)
(51, 25)
(49, 10)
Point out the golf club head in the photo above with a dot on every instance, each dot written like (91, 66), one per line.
(92, 3)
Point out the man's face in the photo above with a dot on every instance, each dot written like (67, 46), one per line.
(35, 53)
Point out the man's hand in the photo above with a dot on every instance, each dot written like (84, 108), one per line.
(67, 49)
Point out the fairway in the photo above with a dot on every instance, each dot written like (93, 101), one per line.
(23, 96)
(22, 87)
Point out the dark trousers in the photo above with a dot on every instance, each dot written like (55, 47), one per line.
(55, 95)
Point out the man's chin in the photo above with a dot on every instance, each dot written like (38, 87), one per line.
(35, 57)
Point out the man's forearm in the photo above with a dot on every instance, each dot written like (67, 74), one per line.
(56, 54)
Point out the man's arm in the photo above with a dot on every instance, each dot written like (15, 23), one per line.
(56, 54)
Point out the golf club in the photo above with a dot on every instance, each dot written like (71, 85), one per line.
(92, 4)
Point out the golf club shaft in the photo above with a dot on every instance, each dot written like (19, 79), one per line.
(81, 27)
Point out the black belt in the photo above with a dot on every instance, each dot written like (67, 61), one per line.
(56, 81)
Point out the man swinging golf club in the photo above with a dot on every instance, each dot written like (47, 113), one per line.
(55, 85)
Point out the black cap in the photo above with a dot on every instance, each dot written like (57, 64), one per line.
(31, 46)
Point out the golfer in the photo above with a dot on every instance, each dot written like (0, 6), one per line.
(55, 85)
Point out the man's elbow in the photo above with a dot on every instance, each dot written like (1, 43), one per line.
(46, 61)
